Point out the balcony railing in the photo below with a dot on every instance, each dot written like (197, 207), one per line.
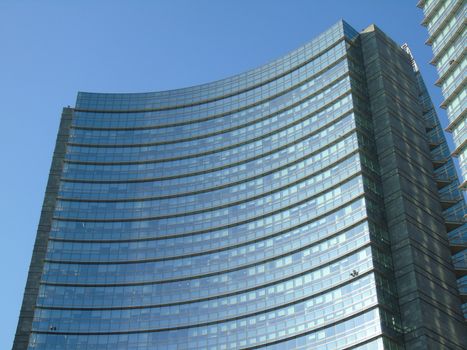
(460, 260)
(458, 236)
(455, 213)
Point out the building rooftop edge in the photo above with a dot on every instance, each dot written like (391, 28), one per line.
(199, 87)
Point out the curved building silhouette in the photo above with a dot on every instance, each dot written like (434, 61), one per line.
(289, 207)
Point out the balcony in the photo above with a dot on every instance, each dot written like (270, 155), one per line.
(451, 192)
(458, 239)
(459, 261)
(444, 175)
(455, 216)
(462, 285)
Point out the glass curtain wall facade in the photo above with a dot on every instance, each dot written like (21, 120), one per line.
(445, 21)
(446, 24)
(259, 211)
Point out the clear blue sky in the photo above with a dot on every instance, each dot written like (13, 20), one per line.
(52, 49)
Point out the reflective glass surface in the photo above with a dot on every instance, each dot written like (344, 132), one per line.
(230, 215)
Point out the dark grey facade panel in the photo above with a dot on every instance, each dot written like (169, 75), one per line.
(410, 202)
(26, 316)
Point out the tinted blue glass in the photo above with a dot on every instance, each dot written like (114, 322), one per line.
(229, 215)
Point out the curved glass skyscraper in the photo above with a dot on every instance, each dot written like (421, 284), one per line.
(259, 211)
